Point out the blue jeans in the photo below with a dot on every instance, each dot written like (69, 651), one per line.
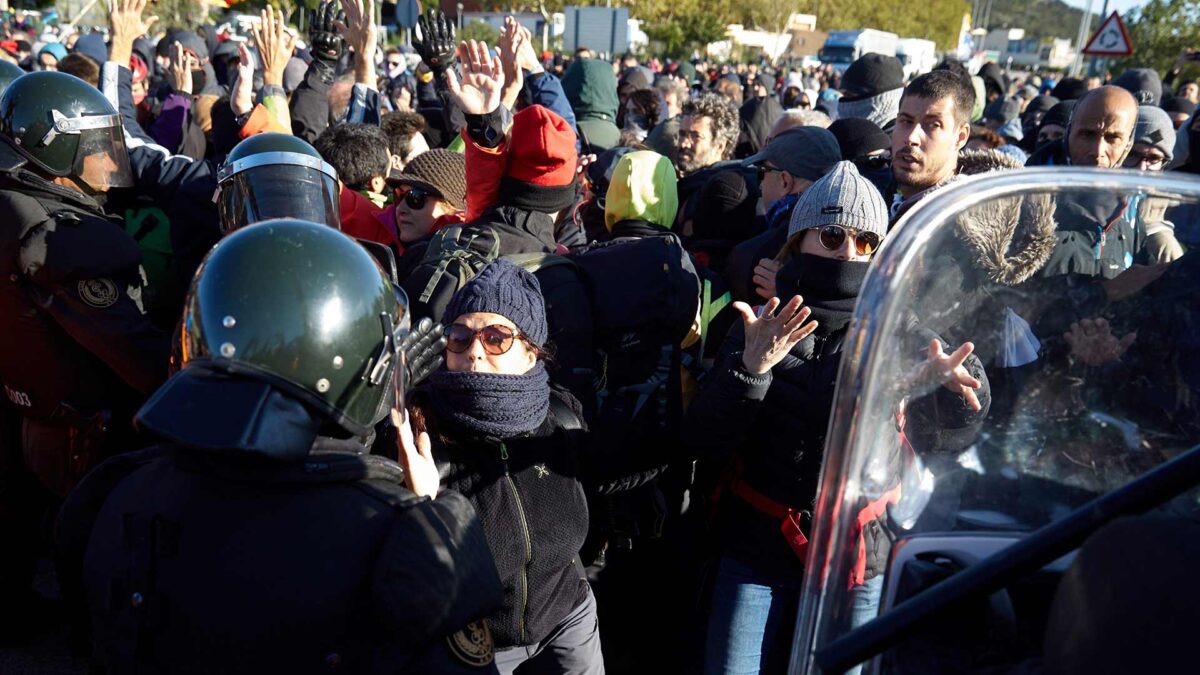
(752, 621)
(866, 607)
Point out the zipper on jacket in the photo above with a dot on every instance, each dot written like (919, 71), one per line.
(528, 542)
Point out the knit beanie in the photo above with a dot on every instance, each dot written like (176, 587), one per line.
(1002, 110)
(540, 175)
(1059, 115)
(858, 137)
(1178, 104)
(1143, 83)
(724, 208)
(440, 171)
(842, 197)
(1154, 128)
(1070, 89)
(92, 45)
(871, 75)
(508, 290)
(881, 109)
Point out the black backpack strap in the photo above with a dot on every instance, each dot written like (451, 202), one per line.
(567, 418)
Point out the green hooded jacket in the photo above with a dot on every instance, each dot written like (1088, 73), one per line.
(591, 88)
(643, 187)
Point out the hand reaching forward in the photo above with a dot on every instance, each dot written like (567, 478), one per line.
(482, 80)
(420, 471)
(1093, 342)
(771, 336)
(948, 370)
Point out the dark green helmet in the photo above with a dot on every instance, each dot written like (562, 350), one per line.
(65, 127)
(9, 71)
(277, 176)
(284, 313)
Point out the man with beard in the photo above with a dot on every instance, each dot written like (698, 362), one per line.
(708, 133)
(932, 126)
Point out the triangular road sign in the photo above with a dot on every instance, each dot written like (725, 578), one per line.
(1111, 39)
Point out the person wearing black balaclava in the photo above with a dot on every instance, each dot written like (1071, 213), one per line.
(1031, 120)
(768, 404)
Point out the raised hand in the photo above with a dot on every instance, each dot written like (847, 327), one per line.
(180, 69)
(1093, 342)
(948, 370)
(772, 335)
(420, 471)
(126, 24)
(434, 40)
(482, 80)
(327, 43)
(241, 101)
(510, 46)
(424, 347)
(275, 46)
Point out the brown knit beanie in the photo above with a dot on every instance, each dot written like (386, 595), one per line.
(439, 171)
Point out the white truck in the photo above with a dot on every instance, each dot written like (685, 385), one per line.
(844, 47)
(916, 55)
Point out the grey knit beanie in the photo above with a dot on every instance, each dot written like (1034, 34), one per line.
(841, 197)
(1154, 128)
(505, 289)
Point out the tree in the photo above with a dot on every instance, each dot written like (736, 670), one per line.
(1160, 31)
(480, 31)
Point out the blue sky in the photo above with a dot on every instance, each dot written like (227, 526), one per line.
(1121, 6)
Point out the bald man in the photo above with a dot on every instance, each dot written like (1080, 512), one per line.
(1101, 129)
(1099, 232)
(1099, 134)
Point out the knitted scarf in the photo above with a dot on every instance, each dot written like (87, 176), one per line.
(503, 406)
(779, 213)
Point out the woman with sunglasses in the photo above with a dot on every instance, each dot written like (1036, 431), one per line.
(492, 427)
(769, 401)
(429, 194)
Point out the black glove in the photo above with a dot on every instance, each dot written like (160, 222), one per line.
(436, 44)
(327, 43)
(423, 348)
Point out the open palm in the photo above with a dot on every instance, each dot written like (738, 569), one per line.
(478, 91)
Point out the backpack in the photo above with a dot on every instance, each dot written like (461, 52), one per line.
(454, 256)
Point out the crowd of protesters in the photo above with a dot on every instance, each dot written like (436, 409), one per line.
(595, 415)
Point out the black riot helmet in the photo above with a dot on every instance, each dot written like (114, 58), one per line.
(66, 128)
(276, 176)
(291, 329)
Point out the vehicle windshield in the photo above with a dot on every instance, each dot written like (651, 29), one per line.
(837, 55)
(1086, 355)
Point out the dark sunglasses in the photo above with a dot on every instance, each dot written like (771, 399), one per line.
(496, 340)
(834, 236)
(764, 170)
(416, 198)
(873, 163)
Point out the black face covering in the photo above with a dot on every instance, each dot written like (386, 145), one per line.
(1193, 161)
(199, 81)
(829, 287)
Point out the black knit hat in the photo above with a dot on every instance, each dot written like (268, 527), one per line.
(871, 75)
(1070, 89)
(439, 171)
(1059, 115)
(505, 289)
(1178, 104)
(724, 208)
(858, 137)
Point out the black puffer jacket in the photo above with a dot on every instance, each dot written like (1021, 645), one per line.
(776, 425)
(529, 496)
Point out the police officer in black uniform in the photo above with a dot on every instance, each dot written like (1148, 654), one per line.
(261, 536)
(77, 353)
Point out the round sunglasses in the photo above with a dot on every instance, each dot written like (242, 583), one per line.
(833, 237)
(496, 339)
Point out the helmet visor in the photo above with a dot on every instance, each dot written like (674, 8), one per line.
(278, 191)
(101, 162)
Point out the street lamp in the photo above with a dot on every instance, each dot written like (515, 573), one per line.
(460, 10)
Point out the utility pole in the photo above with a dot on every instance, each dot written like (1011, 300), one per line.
(1084, 25)
(1093, 66)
